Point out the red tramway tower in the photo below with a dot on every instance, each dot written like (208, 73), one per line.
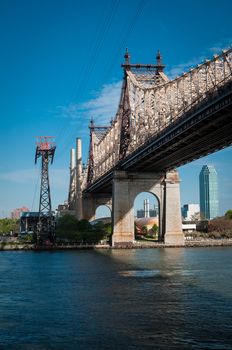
(45, 148)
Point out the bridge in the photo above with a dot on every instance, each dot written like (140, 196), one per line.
(160, 124)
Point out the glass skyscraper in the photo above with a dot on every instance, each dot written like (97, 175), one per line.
(208, 192)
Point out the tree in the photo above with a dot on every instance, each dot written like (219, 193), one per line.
(9, 225)
(144, 229)
(84, 225)
(67, 227)
(219, 225)
(70, 229)
(196, 217)
(228, 214)
(155, 228)
(108, 229)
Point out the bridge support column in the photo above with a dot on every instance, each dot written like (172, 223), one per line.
(89, 208)
(127, 185)
(173, 234)
(123, 215)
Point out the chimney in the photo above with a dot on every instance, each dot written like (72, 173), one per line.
(79, 175)
(146, 208)
(72, 183)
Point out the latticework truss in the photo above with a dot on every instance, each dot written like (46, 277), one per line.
(150, 103)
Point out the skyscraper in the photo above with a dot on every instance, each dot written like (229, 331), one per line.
(208, 192)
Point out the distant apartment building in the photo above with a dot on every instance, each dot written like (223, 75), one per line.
(208, 183)
(190, 212)
(16, 213)
(141, 213)
(146, 212)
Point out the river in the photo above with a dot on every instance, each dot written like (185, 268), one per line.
(172, 298)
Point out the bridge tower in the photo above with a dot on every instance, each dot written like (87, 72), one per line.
(45, 149)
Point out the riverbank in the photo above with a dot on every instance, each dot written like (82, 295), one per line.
(135, 245)
(187, 244)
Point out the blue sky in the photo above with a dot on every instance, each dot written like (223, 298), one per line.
(60, 65)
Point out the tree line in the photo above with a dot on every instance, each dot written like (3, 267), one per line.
(68, 228)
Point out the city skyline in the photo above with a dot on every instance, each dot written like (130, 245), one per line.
(66, 69)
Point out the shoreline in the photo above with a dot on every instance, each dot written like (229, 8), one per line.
(135, 245)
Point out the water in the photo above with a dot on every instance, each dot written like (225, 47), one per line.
(116, 299)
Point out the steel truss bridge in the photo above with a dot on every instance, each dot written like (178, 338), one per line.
(162, 124)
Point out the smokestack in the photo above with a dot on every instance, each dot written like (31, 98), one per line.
(72, 159)
(146, 208)
(72, 183)
(79, 155)
(79, 212)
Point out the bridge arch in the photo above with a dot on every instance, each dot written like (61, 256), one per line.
(147, 216)
(153, 191)
(103, 211)
(103, 217)
(91, 202)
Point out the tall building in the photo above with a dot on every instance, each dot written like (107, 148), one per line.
(190, 211)
(208, 192)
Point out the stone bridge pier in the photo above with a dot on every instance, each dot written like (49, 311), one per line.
(127, 185)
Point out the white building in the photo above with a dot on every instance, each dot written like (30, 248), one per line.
(190, 211)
